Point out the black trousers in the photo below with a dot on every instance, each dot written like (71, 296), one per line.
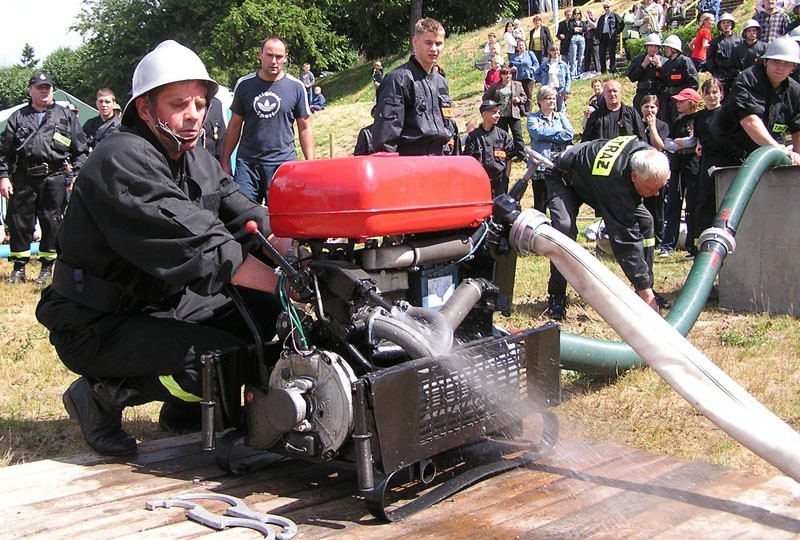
(608, 49)
(705, 209)
(157, 355)
(35, 197)
(514, 126)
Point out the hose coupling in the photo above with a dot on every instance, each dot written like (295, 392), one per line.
(523, 230)
(719, 235)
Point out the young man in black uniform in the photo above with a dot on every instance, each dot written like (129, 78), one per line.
(105, 122)
(154, 233)
(750, 49)
(677, 73)
(414, 100)
(720, 52)
(611, 176)
(763, 107)
(645, 71)
(42, 142)
(214, 129)
(492, 147)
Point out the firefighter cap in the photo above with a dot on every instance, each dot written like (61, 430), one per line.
(40, 79)
(488, 105)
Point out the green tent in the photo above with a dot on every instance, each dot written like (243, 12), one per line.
(62, 97)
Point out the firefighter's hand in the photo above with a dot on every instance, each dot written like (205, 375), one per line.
(650, 298)
(794, 156)
(6, 190)
(283, 245)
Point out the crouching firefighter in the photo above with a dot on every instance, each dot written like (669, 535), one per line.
(42, 142)
(154, 234)
(612, 176)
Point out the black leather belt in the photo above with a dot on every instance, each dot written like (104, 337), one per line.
(41, 169)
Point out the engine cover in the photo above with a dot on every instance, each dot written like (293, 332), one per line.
(378, 195)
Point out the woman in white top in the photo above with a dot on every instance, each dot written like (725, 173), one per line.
(509, 41)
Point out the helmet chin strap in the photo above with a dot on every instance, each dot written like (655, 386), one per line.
(165, 129)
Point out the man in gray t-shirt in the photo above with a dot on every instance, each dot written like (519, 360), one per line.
(265, 106)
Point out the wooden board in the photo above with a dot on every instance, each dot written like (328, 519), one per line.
(583, 490)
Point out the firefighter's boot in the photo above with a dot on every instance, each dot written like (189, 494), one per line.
(46, 272)
(100, 417)
(18, 274)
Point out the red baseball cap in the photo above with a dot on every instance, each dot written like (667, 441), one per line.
(689, 94)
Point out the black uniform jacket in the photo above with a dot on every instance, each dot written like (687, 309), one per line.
(141, 229)
(720, 57)
(599, 125)
(752, 93)
(648, 80)
(601, 176)
(412, 108)
(26, 142)
(678, 73)
(492, 148)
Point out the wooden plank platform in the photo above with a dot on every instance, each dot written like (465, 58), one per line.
(583, 490)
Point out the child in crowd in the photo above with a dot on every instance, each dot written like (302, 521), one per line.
(493, 73)
(492, 147)
(684, 170)
(318, 101)
(706, 194)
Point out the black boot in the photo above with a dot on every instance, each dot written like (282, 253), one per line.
(46, 273)
(181, 417)
(18, 275)
(100, 420)
(557, 307)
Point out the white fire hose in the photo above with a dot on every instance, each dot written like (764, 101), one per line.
(706, 387)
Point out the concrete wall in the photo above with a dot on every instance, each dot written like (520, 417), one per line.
(763, 274)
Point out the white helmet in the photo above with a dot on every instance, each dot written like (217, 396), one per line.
(784, 48)
(653, 39)
(169, 62)
(727, 17)
(674, 42)
(751, 23)
(795, 34)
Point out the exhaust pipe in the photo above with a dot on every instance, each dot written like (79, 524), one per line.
(666, 351)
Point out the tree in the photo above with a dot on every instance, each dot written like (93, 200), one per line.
(28, 57)
(225, 33)
(14, 85)
(66, 67)
(307, 33)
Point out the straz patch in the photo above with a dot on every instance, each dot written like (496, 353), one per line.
(447, 112)
(779, 128)
(58, 137)
(500, 154)
(608, 154)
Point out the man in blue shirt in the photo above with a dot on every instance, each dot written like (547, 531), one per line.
(265, 106)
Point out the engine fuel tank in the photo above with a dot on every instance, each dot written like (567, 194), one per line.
(378, 195)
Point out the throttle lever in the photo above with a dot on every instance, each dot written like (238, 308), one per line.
(298, 279)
